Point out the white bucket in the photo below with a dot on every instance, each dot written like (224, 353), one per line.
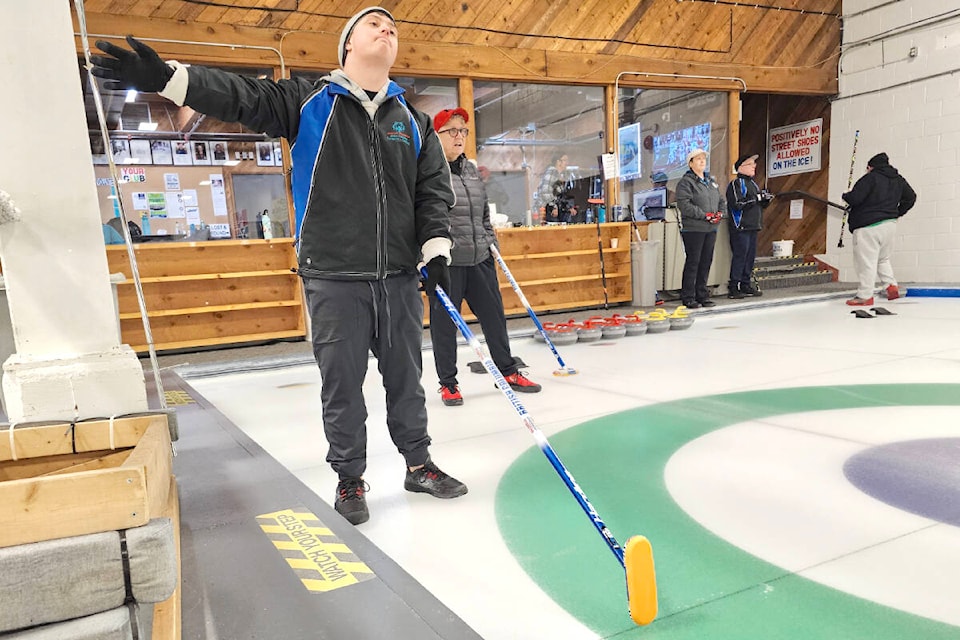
(782, 248)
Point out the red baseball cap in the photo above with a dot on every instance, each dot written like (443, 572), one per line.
(444, 116)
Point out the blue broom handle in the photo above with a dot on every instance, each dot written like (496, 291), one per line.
(526, 304)
(541, 439)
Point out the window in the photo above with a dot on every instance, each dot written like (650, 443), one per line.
(658, 127)
(522, 129)
(173, 160)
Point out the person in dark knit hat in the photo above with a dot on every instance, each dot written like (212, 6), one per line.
(876, 201)
(371, 191)
(746, 202)
(473, 271)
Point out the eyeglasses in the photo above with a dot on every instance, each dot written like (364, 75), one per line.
(454, 132)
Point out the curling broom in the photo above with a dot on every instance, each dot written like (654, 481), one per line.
(564, 370)
(637, 558)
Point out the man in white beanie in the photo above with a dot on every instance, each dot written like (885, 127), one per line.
(372, 193)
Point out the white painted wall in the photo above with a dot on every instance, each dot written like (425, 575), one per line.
(69, 363)
(908, 107)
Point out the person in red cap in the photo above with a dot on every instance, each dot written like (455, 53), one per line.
(371, 191)
(473, 270)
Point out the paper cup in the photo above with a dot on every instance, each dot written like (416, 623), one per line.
(614, 243)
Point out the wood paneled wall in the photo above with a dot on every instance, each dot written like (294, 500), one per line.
(759, 113)
(790, 46)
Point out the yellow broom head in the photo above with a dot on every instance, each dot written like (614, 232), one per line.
(641, 580)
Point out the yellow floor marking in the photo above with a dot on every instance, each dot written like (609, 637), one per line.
(320, 560)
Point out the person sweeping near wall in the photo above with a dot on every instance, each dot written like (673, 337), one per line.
(473, 271)
(876, 201)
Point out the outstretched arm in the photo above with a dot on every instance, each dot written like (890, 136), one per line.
(262, 105)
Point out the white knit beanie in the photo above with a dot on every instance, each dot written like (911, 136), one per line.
(351, 23)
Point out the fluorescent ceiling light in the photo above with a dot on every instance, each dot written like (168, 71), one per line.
(147, 126)
(131, 95)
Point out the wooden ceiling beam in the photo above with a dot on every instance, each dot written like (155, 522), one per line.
(311, 50)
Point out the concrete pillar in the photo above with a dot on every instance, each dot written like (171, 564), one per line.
(68, 362)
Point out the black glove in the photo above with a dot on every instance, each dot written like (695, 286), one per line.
(438, 273)
(766, 196)
(140, 69)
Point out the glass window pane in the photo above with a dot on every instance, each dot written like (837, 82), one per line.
(173, 161)
(524, 132)
(657, 128)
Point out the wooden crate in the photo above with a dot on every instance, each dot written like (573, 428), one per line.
(62, 480)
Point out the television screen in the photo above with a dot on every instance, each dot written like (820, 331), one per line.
(670, 149)
(650, 204)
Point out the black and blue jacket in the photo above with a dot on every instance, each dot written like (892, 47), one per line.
(368, 190)
(746, 205)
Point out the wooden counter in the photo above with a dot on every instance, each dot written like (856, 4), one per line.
(234, 291)
(209, 293)
(558, 267)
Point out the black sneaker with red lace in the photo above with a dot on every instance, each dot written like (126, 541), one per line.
(450, 394)
(521, 383)
(351, 501)
(429, 479)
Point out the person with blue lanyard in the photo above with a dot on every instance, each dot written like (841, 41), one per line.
(747, 202)
(702, 207)
(371, 190)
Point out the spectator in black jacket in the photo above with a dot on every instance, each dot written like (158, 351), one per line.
(473, 271)
(702, 207)
(364, 163)
(746, 202)
(878, 198)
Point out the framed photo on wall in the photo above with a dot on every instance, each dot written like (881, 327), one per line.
(265, 154)
(201, 152)
(277, 154)
(220, 151)
(161, 151)
(182, 153)
(140, 152)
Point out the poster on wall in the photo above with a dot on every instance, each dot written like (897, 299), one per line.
(161, 152)
(218, 194)
(265, 154)
(794, 148)
(201, 153)
(171, 181)
(157, 205)
(277, 154)
(220, 151)
(175, 204)
(630, 151)
(182, 154)
(140, 201)
(140, 152)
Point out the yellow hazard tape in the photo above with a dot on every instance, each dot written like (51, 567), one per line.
(319, 559)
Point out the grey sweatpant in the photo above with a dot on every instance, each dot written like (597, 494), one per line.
(351, 318)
